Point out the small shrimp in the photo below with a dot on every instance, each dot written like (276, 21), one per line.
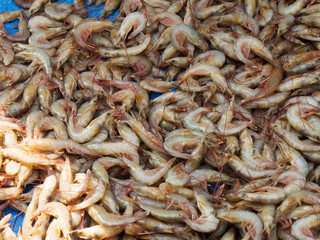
(224, 42)
(51, 123)
(37, 23)
(300, 81)
(292, 9)
(10, 16)
(56, 145)
(135, 21)
(301, 228)
(27, 157)
(196, 121)
(285, 23)
(293, 180)
(166, 18)
(95, 192)
(268, 102)
(58, 11)
(202, 11)
(98, 232)
(37, 56)
(117, 149)
(266, 195)
(250, 7)
(65, 50)
(82, 31)
(101, 216)
(205, 69)
(244, 44)
(59, 211)
(303, 211)
(242, 19)
(248, 220)
(181, 32)
(130, 51)
(157, 85)
(214, 57)
(147, 177)
(6, 51)
(23, 33)
(40, 38)
(109, 7)
(129, 6)
(35, 7)
(208, 175)
(294, 199)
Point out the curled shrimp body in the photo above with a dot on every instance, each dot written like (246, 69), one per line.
(181, 32)
(135, 21)
(51, 123)
(6, 51)
(23, 33)
(82, 31)
(37, 23)
(244, 44)
(301, 228)
(205, 69)
(292, 9)
(196, 121)
(247, 219)
(58, 11)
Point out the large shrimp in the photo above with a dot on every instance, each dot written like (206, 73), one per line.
(301, 228)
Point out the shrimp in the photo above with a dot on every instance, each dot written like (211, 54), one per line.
(56, 145)
(266, 195)
(82, 31)
(101, 216)
(135, 21)
(95, 192)
(214, 57)
(208, 175)
(35, 7)
(202, 11)
(59, 211)
(248, 220)
(147, 177)
(40, 38)
(9, 16)
(100, 166)
(292, 9)
(37, 23)
(131, 51)
(244, 44)
(6, 51)
(196, 121)
(37, 56)
(250, 7)
(293, 180)
(98, 232)
(109, 7)
(58, 11)
(207, 222)
(117, 149)
(301, 228)
(205, 69)
(23, 33)
(294, 199)
(181, 32)
(51, 123)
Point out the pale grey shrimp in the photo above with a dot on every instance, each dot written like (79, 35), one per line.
(196, 121)
(100, 166)
(37, 56)
(202, 11)
(157, 85)
(98, 232)
(135, 21)
(224, 42)
(301, 228)
(101, 216)
(37, 23)
(58, 109)
(245, 44)
(166, 18)
(65, 50)
(208, 175)
(214, 57)
(58, 11)
(109, 7)
(129, 6)
(250, 7)
(51, 123)
(130, 51)
(266, 195)
(6, 51)
(292, 9)
(269, 101)
(299, 81)
(9, 16)
(35, 7)
(181, 32)
(23, 33)
(56, 145)
(205, 69)
(266, 12)
(242, 19)
(293, 180)
(247, 219)
(158, 3)
(40, 38)
(285, 23)
(82, 31)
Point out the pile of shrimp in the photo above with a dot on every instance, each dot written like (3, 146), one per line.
(226, 148)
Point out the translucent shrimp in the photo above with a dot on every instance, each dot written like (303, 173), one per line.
(293, 180)
(181, 32)
(6, 51)
(208, 175)
(58, 11)
(250, 7)
(37, 23)
(51, 123)
(57, 145)
(80, 134)
(147, 177)
(196, 121)
(37, 56)
(98, 232)
(294, 199)
(101, 216)
(292, 9)
(301, 228)
(207, 222)
(266, 195)
(130, 51)
(35, 7)
(65, 50)
(23, 33)
(109, 7)
(205, 69)
(135, 21)
(9, 16)
(244, 44)
(214, 57)
(247, 219)
(82, 31)
(59, 211)
(202, 11)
